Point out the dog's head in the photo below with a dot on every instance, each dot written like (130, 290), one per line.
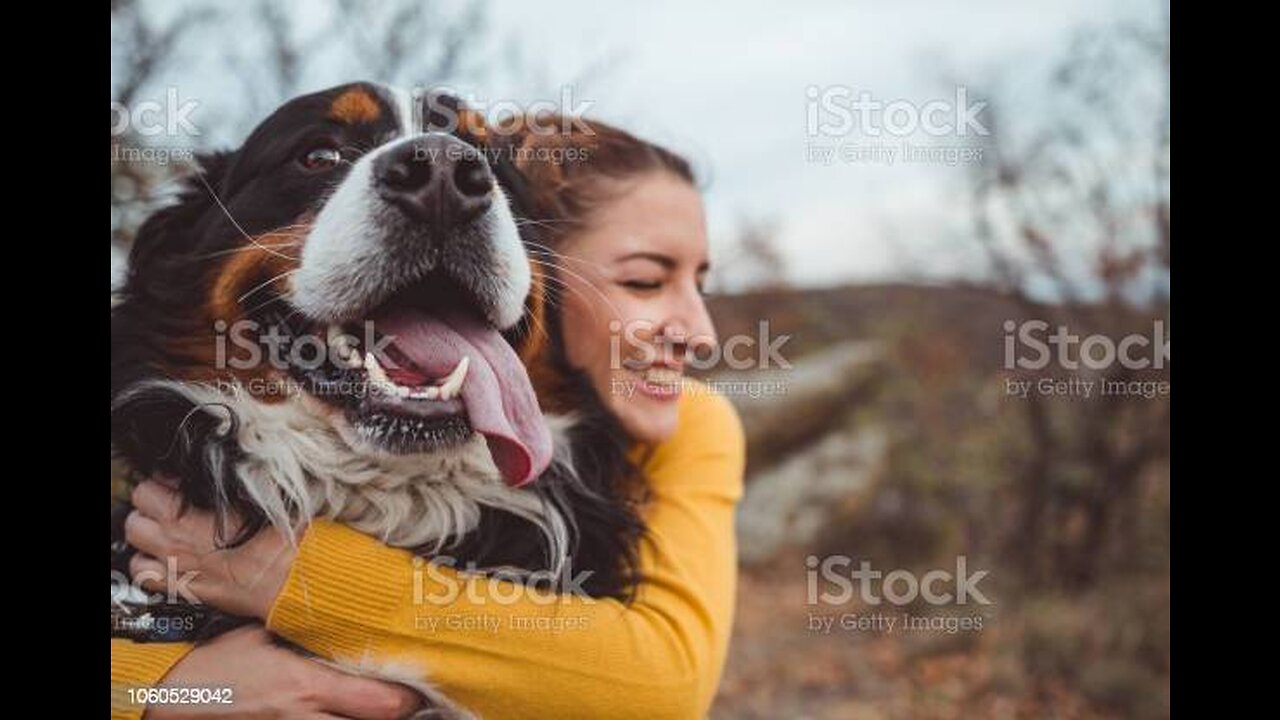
(345, 253)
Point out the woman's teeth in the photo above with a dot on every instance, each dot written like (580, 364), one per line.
(662, 376)
(449, 388)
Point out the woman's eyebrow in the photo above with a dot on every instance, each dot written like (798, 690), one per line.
(665, 261)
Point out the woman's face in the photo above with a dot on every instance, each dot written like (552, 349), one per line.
(632, 305)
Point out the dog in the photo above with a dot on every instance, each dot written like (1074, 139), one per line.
(333, 321)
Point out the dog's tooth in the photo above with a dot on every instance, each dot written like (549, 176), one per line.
(452, 385)
(341, 344)
(429, 392)
(371, 366)
(378, 377)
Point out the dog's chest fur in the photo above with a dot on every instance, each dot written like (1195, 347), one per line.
(296, 465)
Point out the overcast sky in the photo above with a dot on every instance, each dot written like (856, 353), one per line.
(728, 85)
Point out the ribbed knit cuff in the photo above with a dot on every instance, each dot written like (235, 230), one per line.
(343, 588)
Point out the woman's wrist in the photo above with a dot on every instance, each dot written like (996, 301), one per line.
(278, 554)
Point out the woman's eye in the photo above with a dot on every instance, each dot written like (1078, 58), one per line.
(642, 284)
(321, 158)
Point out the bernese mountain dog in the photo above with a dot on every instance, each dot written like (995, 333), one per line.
(333, 320)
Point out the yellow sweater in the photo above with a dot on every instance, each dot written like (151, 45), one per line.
(502, 654)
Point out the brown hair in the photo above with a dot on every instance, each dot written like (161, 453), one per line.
(572, 166)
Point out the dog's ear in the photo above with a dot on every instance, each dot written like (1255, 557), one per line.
(167, 230)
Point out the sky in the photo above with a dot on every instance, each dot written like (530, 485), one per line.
(729, 85)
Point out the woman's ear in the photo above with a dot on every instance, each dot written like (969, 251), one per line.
(168, 229)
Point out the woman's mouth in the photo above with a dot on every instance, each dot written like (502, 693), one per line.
(660, 383)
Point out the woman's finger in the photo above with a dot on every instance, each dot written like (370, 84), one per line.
(145, 534)
(156, 501)
(366, 698)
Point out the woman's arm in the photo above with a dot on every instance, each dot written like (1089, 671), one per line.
(263, 681)
(139, 666)
(501, 653)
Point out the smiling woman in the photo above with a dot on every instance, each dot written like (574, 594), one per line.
(618, 250)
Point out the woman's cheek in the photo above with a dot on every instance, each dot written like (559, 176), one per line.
(591, 345)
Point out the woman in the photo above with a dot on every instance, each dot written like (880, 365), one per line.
(624, 224)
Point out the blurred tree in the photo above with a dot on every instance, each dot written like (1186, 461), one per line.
(1093, 175)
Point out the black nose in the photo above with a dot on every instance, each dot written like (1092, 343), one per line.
(435, 178)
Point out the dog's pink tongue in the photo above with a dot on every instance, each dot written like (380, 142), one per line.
(497, 393)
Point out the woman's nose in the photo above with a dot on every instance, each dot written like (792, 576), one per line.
(691, 327)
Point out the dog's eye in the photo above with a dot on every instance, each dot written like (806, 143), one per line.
(321, 158)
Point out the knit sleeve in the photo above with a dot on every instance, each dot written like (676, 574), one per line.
(503, 651)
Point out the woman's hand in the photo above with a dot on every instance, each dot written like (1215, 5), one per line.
(269, 682)
(182, 553)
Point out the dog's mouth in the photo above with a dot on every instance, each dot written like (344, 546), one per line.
(420, 373)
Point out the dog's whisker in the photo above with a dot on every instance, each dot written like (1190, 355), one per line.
(544, 251)
(547, 222)
(604, 298)
(246, 248)
(264, 284)
(562, 285)
(200, 176)
(535, 324)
